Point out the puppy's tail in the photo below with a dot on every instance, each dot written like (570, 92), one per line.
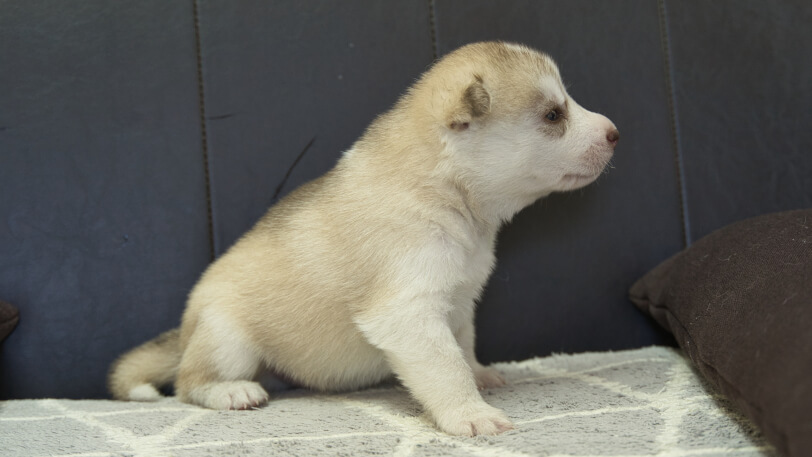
(138, 374)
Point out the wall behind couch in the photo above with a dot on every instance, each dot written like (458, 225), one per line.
(138, 140)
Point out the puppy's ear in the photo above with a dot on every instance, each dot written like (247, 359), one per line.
(474, 103)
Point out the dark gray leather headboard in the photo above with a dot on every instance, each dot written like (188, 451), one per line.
(139, 139)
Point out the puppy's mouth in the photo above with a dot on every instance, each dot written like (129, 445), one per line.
(575, 180)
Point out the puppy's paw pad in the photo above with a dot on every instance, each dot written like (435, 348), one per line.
(484, 421)
(487, 377)
(236, 395)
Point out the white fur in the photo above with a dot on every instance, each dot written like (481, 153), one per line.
(233, 356)
(144, 392)
(229, 395)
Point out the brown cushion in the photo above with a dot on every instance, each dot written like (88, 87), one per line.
(739, 302)
(8, 319)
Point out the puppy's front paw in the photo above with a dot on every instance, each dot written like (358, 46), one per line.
(487, 377)
(236, 395)
(481, 419)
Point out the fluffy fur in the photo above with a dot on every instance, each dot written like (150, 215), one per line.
(374, 268)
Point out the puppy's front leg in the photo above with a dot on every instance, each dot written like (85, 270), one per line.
(486, 377)
(425, 356)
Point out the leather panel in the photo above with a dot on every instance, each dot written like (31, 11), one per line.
(103, 193)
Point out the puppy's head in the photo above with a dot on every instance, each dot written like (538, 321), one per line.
(510, 127)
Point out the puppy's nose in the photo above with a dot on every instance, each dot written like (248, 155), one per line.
(612, 136)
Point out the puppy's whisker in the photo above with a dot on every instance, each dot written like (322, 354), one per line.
(609, 166)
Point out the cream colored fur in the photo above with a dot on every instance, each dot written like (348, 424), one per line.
(374, 268)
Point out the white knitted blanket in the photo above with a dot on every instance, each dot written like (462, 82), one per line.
(644, 402)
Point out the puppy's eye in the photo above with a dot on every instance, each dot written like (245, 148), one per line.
(553, 115)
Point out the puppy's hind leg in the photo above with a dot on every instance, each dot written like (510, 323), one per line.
(218, 368)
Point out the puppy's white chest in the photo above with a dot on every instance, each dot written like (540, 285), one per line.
(476, 268)
(479, 262)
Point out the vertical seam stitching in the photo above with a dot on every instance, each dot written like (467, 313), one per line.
(433, 26)
(203, 136)
(665, 42)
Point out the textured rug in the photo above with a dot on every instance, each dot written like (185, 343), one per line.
(644, 402)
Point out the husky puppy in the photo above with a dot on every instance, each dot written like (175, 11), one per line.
(373, 269)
